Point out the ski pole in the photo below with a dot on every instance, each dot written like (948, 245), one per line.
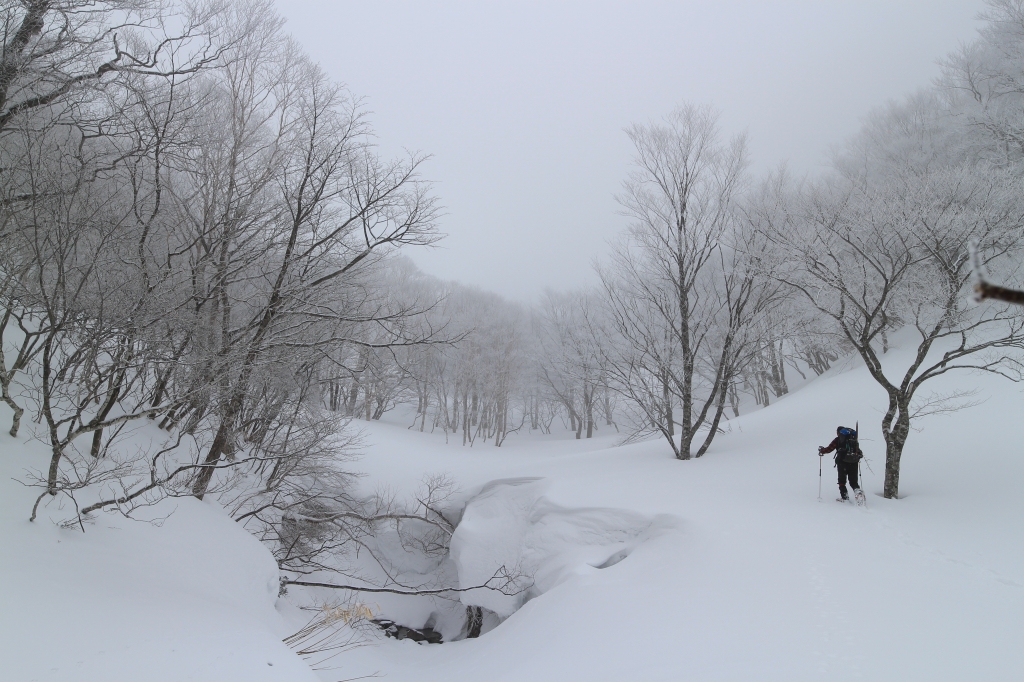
(860, 476)
(819, 475)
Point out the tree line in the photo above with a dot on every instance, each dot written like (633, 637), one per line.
(198, 233)
(725, 280)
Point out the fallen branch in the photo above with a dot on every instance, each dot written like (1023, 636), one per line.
(510, 585)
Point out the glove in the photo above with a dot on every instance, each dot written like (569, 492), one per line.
(821, 451)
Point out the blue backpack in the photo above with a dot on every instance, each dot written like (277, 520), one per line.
(848, 449)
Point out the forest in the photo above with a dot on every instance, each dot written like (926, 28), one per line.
(201, 241)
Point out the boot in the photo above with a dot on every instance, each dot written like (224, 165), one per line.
(845, 496)
(858, 495)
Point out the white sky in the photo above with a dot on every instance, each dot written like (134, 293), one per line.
(522, 104)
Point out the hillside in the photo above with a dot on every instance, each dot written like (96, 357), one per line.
(726, 567)
(753, 578)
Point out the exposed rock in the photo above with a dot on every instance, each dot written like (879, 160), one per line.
(393, 629)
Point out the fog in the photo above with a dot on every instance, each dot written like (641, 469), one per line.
(522, 105)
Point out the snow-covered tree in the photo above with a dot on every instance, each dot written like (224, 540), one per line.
(884, 242)
(683, 290)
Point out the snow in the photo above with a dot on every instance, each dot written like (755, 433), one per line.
(185, 596)
(511, 525)
(644, 567)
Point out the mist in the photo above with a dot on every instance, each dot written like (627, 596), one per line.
(522, 105)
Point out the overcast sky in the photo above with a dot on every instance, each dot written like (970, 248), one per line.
(522, 104)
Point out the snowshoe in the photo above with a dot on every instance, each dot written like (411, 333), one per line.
(861, 499)
(842, 499)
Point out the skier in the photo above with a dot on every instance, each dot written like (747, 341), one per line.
(848, 455)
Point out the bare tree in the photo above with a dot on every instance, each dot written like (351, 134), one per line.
(573, 357)
(681, 292)
(984, 85)
(886, 239)
(295, 202)
(983, 88)
(82, 225)
(68, 72)
(193, 236)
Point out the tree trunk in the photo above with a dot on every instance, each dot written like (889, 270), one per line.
(719, 409)
(734, 399)
(895, 438)
(778, 370)
(7, 376)
(588, 396)
(115, 393)
(455, 411)
(217, 448)
(353, 398)
(16, 421)
(426, 406)
(56, 446)
(670, 425)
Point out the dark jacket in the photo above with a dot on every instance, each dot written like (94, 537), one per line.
(835, 444)
(832, 446)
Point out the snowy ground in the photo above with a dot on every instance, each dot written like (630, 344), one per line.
(727, 567)
(189, 599)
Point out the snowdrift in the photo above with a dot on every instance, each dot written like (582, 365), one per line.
(185, 596)
(510, 524)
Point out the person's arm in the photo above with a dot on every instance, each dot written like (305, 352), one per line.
(831, 446)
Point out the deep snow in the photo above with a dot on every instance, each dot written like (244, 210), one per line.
(186, 595)
(726, 567)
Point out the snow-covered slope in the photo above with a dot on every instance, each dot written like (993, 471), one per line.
(746, 575)
(187, 597)
(727, 567)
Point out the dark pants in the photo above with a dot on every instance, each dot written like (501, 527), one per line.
(847, 470)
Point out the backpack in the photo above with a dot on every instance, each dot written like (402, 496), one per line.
(848, 449)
